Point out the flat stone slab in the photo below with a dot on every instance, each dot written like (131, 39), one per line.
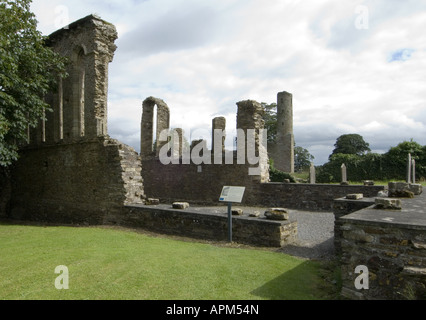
(355, 196)
(412, 215)
(388, 204)
(279, 214)
(255, 214)
(152, 202)
(180, 205)
(237, 212)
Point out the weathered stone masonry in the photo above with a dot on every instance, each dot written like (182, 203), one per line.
(390, 243)
(72, 171)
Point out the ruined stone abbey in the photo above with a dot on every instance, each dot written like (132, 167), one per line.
(73, 172)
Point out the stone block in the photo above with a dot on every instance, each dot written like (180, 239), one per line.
(279, 214)
(255, 214)
(417, 189)
(355, 196)
(237, 212)
(181, 205)
(368, 183)
(400, 190)
(152, 202)
(388, 204)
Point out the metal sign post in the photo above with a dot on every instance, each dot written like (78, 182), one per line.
(231, 195)
(229, 221)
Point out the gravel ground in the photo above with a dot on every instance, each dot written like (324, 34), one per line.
(315, 231)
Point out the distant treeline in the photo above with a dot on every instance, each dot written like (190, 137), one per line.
(372, 166)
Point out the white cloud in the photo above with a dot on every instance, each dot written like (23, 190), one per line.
(204, 57)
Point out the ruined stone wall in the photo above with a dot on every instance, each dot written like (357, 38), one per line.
(395, 257)
(86, 183)
(187, 180)
(391, 244)
(315, 197)
(80, 102)
(71, 171)
(252, 231)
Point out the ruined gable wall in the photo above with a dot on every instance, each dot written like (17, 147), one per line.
(71, 171)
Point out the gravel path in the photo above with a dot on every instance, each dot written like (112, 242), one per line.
(315, 231)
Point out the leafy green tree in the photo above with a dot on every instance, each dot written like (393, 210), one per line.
(395, 160)
(302, 158)
(351, 144)
(270, 118)
(28, 71)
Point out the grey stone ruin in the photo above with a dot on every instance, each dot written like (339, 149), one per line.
(282, 151)
(413, 167)
(409, 168)
(312, 174)
(344, 175)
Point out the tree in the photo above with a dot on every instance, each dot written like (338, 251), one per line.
(270, 117)
(28, 71)
(395, 160)
(302, 158)
(351, 144)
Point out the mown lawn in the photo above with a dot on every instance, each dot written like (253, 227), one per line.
(114, 264)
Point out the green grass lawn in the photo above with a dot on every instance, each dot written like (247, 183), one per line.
(114, 264)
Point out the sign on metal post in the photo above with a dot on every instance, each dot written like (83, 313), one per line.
(231, 195)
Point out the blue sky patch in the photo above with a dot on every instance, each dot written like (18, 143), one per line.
(401, 55)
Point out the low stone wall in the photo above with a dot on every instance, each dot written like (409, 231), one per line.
(315, 197)
(86, 182)
(209, 226)
(392, 245)
(341, 208)
(186, 183)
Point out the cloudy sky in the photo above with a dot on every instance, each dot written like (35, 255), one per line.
(352, 66)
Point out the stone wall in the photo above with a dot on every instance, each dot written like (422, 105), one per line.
(315, 197)
(189, 182)
(81, 183)
(392, 245)
(185, 183)
(342, 207)
(210, 226)
(80, 102)
(71, 171)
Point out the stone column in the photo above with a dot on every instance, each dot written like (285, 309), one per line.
(250, 127)
(218, 138)
(409, 168)
(312, 174)
(344, 175)
(413, 166)
(284, 158)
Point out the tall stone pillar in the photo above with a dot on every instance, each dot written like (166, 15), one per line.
(284, 157)
(251, 140)
(218, 123)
